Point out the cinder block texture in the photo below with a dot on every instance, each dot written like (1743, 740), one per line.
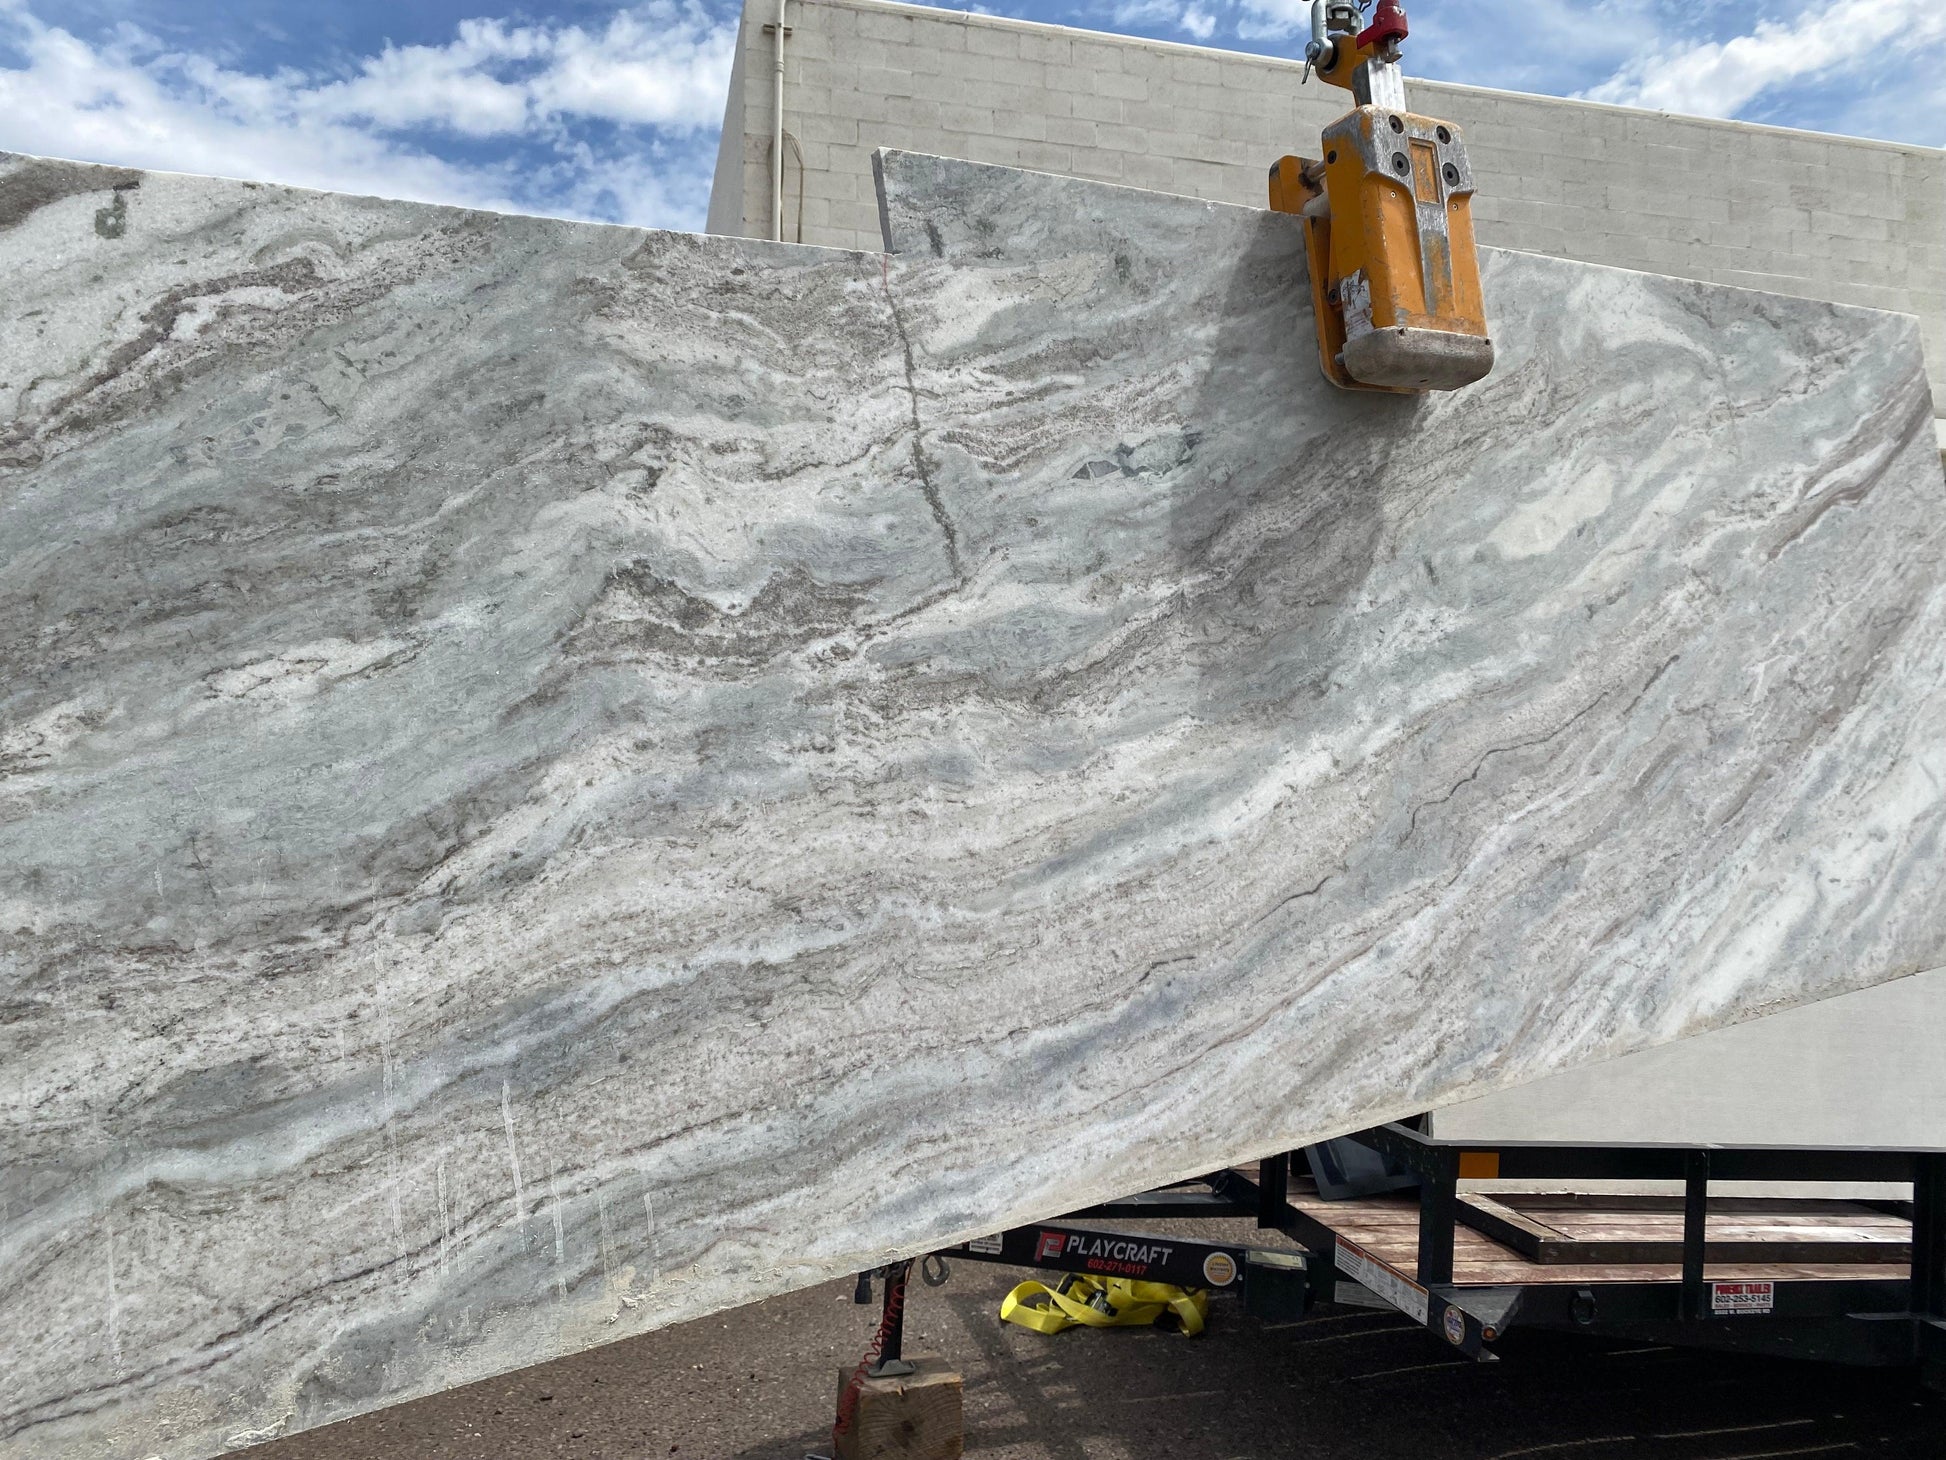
(1833, 218)
(556, 778)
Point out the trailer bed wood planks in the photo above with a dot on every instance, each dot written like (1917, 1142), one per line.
(1388, 1228)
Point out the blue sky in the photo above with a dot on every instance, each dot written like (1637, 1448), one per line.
(594, 110)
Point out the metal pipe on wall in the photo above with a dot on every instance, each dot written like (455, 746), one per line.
(777, 137)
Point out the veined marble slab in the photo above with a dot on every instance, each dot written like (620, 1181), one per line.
(559, 778)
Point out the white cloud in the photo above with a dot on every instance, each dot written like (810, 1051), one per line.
(1199, 23)
(1267, 19)
(661, 65)
(1145, 12)
(1871, 67)
(1191, 19)
(1550, 46)
(519, 101)
(1543, 45)
(1826, 42)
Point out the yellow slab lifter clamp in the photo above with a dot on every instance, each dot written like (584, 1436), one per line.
(1388, 220)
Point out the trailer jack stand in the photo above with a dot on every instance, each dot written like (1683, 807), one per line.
(892, 1361)
(891, 1405)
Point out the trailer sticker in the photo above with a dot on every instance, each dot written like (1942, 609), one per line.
(1219, 1269)
(1742, 1297)
(989, 1245)
(1455, 1325)
(1383, 1279)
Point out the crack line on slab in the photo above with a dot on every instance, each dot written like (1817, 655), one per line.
(918, 450)
(1480, 764)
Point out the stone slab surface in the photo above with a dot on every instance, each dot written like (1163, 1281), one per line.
(555, 778)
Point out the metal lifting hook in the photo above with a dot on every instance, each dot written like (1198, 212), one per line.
(1395, 274)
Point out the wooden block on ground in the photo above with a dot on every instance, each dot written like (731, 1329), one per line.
(916, 1417)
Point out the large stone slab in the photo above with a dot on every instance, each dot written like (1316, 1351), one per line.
(559, 778)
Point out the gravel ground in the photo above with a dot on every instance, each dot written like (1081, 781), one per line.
(757, 1384)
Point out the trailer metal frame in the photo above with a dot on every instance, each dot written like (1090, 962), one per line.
(1888, 1315)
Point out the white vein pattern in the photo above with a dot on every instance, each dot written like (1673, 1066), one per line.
(554, 779)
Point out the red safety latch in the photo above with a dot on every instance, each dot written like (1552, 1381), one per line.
(1388, 24)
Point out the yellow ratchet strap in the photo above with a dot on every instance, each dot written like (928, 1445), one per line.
(1102, 1303)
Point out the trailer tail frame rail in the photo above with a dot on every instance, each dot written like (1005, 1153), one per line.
(1878, 1311)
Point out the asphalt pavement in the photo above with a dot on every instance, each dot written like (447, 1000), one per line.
(758, 1383)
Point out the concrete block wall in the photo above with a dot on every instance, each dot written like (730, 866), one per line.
(1835, 218)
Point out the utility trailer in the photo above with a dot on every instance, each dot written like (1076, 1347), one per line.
(1853, 1282)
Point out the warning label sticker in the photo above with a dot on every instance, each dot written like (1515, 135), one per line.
(990, 1245)
(1742, 1297)
(1388, 1282)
